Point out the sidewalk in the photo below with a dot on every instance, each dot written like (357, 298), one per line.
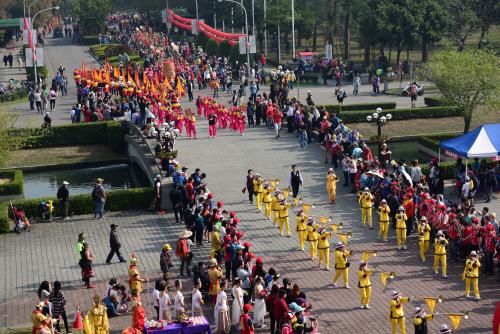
(16, 73)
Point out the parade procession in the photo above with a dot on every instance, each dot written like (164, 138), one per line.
(248, 167)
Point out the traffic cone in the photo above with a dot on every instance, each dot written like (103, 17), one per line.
(78, 323)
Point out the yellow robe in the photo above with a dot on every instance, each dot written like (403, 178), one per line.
(301, 230)
(331, 187)
(96, 320)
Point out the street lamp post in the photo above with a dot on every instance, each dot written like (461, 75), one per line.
(379, 120)
(247, 46)
(29, 13)
(265, 28)
(293, 29)
(32, 22)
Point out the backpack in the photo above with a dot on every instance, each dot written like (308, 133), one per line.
(181, 250)
(95, 193)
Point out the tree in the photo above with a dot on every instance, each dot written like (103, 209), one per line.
(211, 47)
(488, 13)
(92, 15)
(466, 79)
(464, 19)
(434, 20)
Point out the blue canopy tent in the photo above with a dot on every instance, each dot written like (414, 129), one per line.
(482, 142)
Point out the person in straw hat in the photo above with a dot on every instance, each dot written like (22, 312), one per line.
(397, 312)
(341, 255)
(99, 196)
(364, 284)
(420, 319)
(183, 252)
(471, 275)
(440, 253)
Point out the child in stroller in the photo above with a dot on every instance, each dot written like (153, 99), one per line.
(20, 221)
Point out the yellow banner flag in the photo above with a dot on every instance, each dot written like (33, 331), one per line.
(324, 220)
(307, 208)
(431, 302)
(383, 277)
(286, 193)
(296, 201)
(455, 320)
(343, 237)
(334, 227)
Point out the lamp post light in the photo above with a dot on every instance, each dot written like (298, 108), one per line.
(247, 46)
(34, 47)
(379, 120)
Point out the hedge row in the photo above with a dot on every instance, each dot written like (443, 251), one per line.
(116, 200)
(16, 184)
(432, 142)
(89, 40)
(361, 106)
(16, 94)
(402, 114)
(93, 133)
(447, 169)
(434, 101)
(41, 71)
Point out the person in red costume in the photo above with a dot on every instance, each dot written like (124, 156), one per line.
(246, 323)
(138, 312)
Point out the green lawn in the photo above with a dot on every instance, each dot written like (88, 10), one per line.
(62, 155)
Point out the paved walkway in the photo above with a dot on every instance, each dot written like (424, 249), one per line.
(16, 73)
(48, 252)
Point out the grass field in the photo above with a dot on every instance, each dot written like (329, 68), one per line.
(62, 155)
(427, 126)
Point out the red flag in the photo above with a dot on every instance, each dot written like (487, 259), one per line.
(25, 23)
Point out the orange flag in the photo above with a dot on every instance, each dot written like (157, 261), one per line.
(180, 87)
(136, 77)
(116, 72)
(167, 84)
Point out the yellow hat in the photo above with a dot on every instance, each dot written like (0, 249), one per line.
(167, 247)
(213, 262)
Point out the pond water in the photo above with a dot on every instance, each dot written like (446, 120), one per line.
(82, 180)
(406, 150)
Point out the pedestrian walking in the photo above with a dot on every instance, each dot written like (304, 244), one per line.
(157, 189)
(115, 245)
(249, 185)
(86, 264)
(58, 301)
(176, 199)
(52, 99)
(296, 181)
(99, 197)
(63, 198)
(38, 101)
(10, 58)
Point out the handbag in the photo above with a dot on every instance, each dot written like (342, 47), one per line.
(347, 264)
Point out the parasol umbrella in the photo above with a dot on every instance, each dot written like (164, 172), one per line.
(375, 173)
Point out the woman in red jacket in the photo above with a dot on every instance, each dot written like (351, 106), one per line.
(280, 308)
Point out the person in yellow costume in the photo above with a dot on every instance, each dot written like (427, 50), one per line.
(135, 279)
(312, 237)
(383, 214)
(216, 243)
(267, 200)
(37, 317)
(401, 219)
(440, 253)
(397, 312)
(258, 189)
(341, 255)
(331, 185)
(301, 228)
(283, 216)
(96, 319)
(365, 285)
(275, 206)
(366, 204)
(471, 275)
(424, 237)
(420, 319)
(324, 247)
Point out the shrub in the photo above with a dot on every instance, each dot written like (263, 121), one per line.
(72, 134)
(16, 94)
(447, 169)
(116, 200)
(434, 101)
(235, 54)
(89, 40)
(362, 106)
(201, 40)
(224, 49)
(432, 142)
(401, 114)
(41, 71)
(16, 184)
(211, 47)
